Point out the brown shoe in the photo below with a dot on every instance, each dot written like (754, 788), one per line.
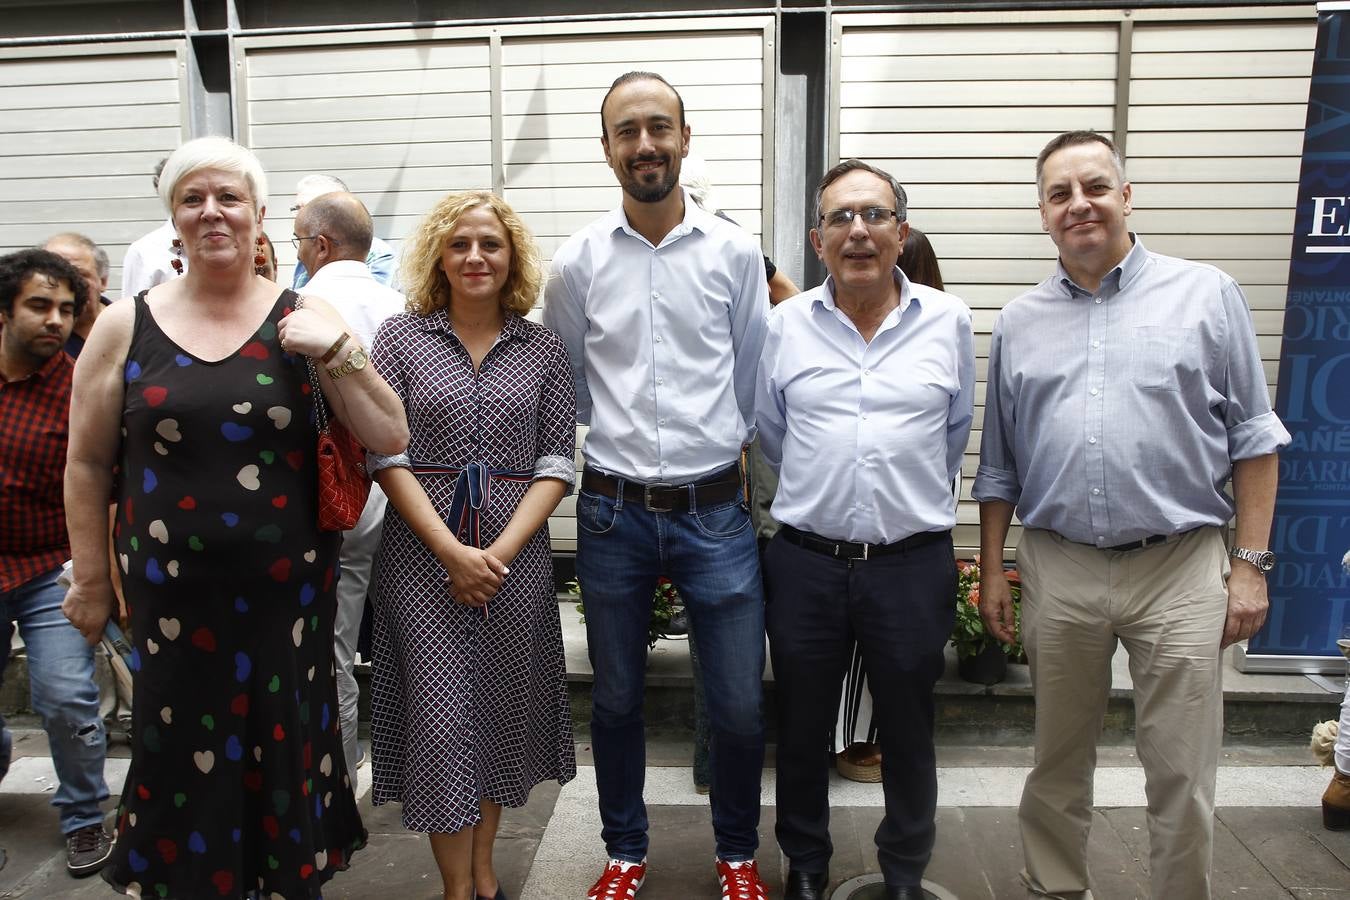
(860, 762)
(1336, 803)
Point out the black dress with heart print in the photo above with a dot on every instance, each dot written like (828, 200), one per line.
(237, 786)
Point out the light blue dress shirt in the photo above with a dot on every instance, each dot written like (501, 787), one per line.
(663, 342)
(381, 260)
(1114, 415)
(867, 436)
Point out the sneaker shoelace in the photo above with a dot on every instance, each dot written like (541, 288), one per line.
(741, 881)
(619, 881)
(85, 839)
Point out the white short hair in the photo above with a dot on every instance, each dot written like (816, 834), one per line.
(316, 185)
(213, 153)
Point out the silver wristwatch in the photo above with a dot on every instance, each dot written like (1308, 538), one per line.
(1262, 559)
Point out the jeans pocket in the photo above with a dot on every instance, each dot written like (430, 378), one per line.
(723, 521)
(595, 514)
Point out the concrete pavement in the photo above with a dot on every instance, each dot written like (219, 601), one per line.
(1269, 839)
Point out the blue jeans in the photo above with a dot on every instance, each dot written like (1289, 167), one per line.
(712, 557)
(61, 676)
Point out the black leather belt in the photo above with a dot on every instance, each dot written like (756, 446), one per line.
(851, 550)
(718, 487)
(1151, 541)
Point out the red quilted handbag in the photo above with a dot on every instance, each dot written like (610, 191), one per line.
(343, 482)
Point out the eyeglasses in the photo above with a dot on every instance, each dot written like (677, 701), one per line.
(872, 216)
(296, 239)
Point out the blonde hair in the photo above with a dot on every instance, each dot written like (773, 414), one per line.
(427, 287)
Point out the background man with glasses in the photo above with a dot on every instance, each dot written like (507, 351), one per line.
(332, 238)
(380, 258)
(865, 400)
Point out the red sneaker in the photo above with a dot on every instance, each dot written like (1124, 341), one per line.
(620, 881)
(740, 880)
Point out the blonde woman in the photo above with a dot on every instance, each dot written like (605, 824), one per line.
(470, 707)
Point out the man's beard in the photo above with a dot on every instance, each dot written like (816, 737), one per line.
(644, 192)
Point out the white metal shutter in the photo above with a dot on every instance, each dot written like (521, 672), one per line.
(958, 107)
(402, 123)
(81, 128)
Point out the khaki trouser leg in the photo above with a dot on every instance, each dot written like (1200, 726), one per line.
(1069, 643)
(1172, 632)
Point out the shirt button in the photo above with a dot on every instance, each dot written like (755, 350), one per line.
(656, 295)
(1101, 537)
(663, 381)
(1097, 491)
(867, 371)
(658, 338)
(1097, 300)
(660, 421)
(1092, 440)
(1093, 392)
(1096, 344)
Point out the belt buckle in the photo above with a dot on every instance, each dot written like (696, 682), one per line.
(647, 496)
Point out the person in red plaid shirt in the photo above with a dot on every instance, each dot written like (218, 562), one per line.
(40, 297)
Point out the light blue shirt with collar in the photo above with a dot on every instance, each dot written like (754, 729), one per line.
(381, 260)
(663, 342)
(1116, 414)
(867, 435)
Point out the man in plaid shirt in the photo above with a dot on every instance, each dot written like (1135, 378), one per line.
(40, 297)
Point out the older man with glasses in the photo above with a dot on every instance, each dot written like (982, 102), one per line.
(864, 403)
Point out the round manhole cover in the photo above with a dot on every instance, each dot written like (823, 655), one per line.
(872, 887)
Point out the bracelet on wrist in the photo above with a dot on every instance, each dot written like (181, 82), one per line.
(337, 345)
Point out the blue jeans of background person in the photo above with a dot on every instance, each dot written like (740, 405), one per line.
(6, 633)
(61, 676)
(712, 557)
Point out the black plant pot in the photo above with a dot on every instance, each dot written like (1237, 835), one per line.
(989, 666)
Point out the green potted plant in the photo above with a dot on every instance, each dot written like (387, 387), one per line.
(665, 599)
(980, 657)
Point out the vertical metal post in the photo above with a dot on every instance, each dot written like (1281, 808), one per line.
(495, 113)
(1121, 124)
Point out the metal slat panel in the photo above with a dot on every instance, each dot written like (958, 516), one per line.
(80, 132)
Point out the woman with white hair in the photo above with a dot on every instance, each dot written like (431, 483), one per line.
(192, 406)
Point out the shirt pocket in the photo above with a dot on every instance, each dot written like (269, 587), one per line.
(1159, 354)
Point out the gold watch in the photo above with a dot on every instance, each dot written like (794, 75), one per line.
(355, 362)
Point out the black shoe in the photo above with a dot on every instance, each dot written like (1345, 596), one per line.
(87, 849)
(501, 895)
(906, 892)
(805, 885)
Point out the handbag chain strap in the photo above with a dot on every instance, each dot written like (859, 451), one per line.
(320, 408)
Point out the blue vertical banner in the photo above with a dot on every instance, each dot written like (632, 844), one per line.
(1310, 586)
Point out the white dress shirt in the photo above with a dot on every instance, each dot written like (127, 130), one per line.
(353, 291)
(663, 342)
(867, 435)
(148, 260)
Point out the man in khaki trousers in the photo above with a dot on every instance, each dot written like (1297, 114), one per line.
(1124, 391)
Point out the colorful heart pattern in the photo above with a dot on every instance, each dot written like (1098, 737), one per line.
(218, 464)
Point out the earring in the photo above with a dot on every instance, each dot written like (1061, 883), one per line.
(260, 257)
(177, 260)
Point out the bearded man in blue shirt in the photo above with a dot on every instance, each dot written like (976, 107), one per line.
(864, 405)
(661, 306)
(1123, 393)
